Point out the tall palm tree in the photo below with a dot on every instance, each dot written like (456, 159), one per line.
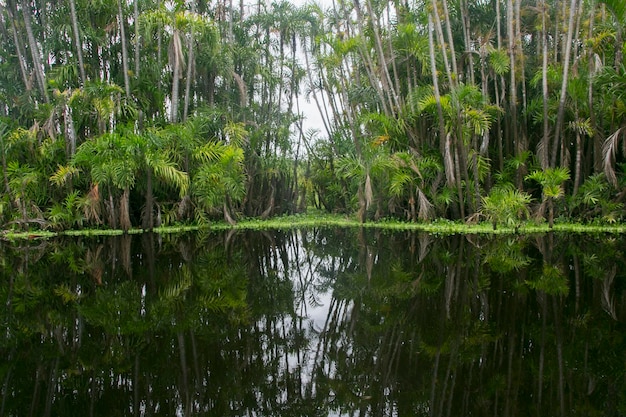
(573, 7)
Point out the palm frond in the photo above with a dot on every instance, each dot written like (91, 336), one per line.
(426, 208)
(63, 174)
(609, 149)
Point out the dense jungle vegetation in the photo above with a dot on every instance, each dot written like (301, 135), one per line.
(149, 112)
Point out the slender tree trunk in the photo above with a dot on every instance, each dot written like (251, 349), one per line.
(498, 25)
(513, 78)
(5, 176)
(566, 62)
(384, 65)
(125, 68)
(465, 16)
(137, 38)
(125, 224)
(227, 216)
(112, 212)
(70, 132)
(460, 160)
(394, 67)
(435, 79)
(545, 142)
(578, 161)
(34, 51)
(519, 49)
(372, 70)
(77, 41)
(321, 109)
(596, 137)
(19, 50)
(550, 212)
(148, 221)
(440, 38)
(176, 58)
(444, 139)
(446, 14)
(190, 65)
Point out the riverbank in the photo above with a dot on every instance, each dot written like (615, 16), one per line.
(442, 226)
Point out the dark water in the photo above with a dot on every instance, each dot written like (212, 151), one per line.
(320, 322)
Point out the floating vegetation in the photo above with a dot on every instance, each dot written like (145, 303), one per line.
(300, 221)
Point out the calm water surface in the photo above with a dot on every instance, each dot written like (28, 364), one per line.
(319, 322)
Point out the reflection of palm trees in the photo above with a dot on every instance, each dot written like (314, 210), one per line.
(446, 329)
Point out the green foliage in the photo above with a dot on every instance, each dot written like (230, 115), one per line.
(594, 202)
(505, 205)
(69, 214)
(238, 80)
(220, 179)
(499, 61)
(551, 181)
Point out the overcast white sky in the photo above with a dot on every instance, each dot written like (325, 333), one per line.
(313, 119)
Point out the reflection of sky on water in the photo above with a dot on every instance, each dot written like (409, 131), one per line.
(313, 301)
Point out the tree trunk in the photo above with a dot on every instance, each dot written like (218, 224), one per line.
(578, 161)
(112, 212)
(19, 50)
(120, 18)
(176, 57)
(148, 218)
(70, 132)
(513, 80)
(190, 65)
(372, 70)
(566, 62)
(125, 224)
(446, 14)
(440, 38)
(465, 21)
(384, 65)
(34, 51)
(550, 212)
(444, 139)
(5, 176)
(545, 142)
(227, 216)
(137, 38)
(79, 46)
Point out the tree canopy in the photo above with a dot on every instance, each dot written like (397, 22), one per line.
(148, 112)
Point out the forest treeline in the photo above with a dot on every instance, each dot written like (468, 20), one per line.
(137, 113)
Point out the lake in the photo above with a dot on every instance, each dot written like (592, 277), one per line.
(315, 322)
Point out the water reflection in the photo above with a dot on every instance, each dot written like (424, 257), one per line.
(340, 322)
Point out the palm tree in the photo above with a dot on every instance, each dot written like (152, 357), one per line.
(221, 181)
(414, 174)
(505, 205)
(118, 159)
(24, 181)
(372, 167)
(566, 64)
(467, 116)
(155, 163)
(444, 138)
(551, 181)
